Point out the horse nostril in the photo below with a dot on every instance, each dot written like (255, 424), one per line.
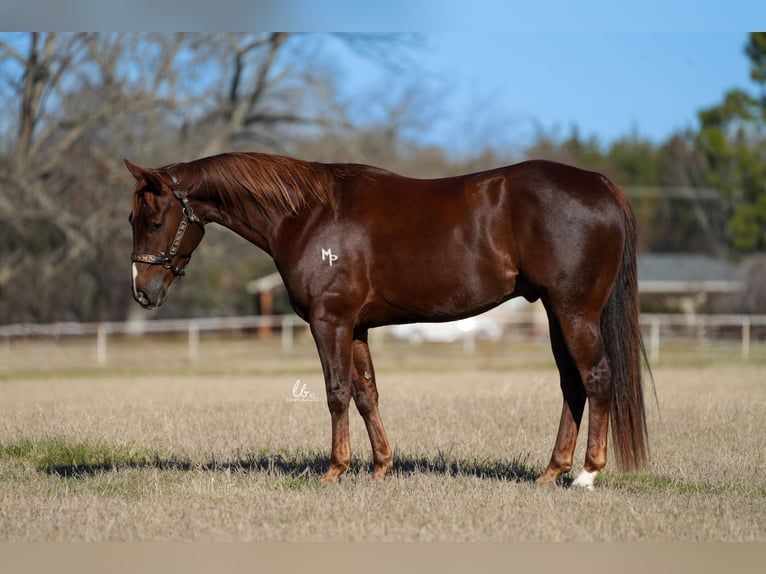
(142, 298)
(150, 296)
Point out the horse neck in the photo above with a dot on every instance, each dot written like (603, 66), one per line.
(249, 222)
(255, 194)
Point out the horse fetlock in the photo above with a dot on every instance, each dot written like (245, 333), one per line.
(383, 463)
(380, 471)
(332, 474)
(595, 459)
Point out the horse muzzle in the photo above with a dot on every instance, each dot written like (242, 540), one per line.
(150, 295)
(146, 301)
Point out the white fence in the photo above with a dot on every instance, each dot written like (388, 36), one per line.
(284, 324)
(703, 328)
(745, 331)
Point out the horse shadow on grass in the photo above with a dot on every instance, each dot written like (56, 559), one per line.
(313, 465)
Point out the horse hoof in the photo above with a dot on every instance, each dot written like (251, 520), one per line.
(328, 478)
(332, 473)
(547, 483)
(548, 478)
(585, 480)
(379, 474)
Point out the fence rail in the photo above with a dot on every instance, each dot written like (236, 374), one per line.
(284, 324)
(744, 331)
(702, 328)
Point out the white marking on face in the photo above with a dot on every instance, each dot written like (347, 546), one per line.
(585, 479)
(135, 274)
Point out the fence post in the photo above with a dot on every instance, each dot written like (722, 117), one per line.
(701, 328)
(101, 345)
(746, 338)
(469, 343)
(6, 345)
(287, 335)
(193, 343)
(654, 341)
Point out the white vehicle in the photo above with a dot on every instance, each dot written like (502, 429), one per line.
(450, 332)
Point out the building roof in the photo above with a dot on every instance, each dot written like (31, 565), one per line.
(267, 283)
(687, 272)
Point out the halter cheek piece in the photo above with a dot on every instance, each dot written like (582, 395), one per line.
(166, 258)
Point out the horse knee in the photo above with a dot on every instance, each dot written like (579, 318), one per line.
(338, 397)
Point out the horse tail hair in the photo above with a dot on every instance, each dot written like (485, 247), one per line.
(625, 348)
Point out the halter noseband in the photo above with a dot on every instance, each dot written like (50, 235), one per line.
(166, 258)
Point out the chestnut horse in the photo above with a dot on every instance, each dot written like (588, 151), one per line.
(359, 247)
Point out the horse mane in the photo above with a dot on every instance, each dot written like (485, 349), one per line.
(280, 185)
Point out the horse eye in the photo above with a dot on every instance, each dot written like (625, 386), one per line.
(155, 226)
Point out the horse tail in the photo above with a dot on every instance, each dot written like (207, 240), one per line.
(625, 347)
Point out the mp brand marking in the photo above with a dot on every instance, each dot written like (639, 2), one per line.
(327, 254)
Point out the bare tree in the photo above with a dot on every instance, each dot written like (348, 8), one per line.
(72, 105)
(58, 178)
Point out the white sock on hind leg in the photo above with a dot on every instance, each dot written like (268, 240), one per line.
(585, 479)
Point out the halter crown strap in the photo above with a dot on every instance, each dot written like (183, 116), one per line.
(181, 195)
(171, 175)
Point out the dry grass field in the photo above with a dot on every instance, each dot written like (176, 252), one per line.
(154, 449)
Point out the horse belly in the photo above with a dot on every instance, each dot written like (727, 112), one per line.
(447, 285)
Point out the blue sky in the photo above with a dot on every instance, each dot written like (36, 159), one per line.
(496, 70)
(502, 89)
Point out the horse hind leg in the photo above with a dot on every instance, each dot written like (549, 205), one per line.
(572, 410)
(365, 394)
(588, 350)
(582, 335)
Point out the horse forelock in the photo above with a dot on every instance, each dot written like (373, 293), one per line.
(279, 184)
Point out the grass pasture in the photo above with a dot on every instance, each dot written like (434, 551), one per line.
(154, 449)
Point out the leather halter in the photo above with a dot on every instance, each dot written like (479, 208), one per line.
(165, 258)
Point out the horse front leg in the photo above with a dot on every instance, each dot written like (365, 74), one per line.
(333, 341)
(365, 393)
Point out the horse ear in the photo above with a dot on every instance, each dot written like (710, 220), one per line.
(151, 176)
(135, 170)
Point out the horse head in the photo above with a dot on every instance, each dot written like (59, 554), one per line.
(165, 233)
